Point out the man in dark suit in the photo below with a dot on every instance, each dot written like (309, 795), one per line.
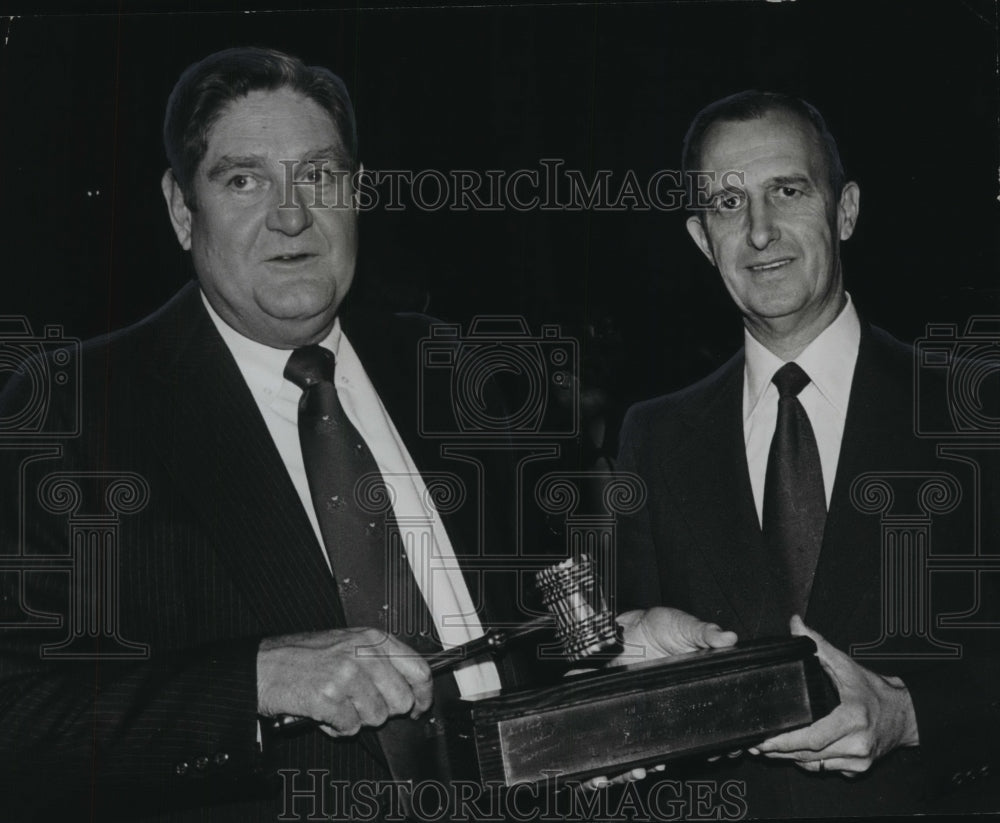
(758, 517)
(216, 604)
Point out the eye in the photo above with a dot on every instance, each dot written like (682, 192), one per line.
(243, 182)
(729, 201)
(789, 191)
(320, 174)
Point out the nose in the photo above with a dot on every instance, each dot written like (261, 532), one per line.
(762, 230)
(289, 212)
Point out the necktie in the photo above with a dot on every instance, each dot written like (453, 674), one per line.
(376, 586)
(794, 499)
(336, 458)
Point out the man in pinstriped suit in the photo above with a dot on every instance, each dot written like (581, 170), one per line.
(222, 574)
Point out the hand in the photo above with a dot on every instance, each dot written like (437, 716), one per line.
(874, 717)
(664, 632)
(344, 678)
(602, 782)
(732, 755)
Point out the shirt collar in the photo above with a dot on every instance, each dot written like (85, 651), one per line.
(828, 360)
(263, 367)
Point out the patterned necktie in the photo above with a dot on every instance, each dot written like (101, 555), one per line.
(794, 498)
(336, 458)
(376, 586)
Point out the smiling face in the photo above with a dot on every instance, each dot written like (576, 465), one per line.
(272, 231)
(775, 236)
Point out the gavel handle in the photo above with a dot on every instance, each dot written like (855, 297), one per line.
(494, 641)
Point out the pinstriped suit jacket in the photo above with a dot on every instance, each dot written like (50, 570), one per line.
(220, 556)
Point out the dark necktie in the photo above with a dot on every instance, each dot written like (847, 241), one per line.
(794, 499)
(376, 586)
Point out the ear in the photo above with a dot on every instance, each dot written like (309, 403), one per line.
(847, 210)
(180, 214)
(697, 231)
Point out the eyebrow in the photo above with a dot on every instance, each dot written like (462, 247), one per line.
(791, 179)
(332, 153)
(228, 162)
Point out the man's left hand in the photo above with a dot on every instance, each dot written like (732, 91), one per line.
(874, 717)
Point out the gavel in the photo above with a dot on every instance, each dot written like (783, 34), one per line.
(577, 610)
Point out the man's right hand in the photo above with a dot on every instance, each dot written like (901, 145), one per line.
(343, 678)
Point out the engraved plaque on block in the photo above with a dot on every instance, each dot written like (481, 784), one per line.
(613, 720)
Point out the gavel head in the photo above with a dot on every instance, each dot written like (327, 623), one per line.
(584, 623)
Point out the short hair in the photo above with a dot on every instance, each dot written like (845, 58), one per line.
(752, 105)
(208, 86)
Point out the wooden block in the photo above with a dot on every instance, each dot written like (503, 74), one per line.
(613, 720)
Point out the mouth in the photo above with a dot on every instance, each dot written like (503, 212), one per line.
(769, 265)
(290, 258)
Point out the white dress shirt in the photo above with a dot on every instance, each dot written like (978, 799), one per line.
(429, 551)
(829, 361)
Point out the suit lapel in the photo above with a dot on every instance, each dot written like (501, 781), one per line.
(703, 475)
(877, 416)
(216, 445)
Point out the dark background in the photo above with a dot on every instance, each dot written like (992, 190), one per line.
(909, 90)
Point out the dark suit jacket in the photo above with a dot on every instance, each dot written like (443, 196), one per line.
(697, 546)
(219, 557)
